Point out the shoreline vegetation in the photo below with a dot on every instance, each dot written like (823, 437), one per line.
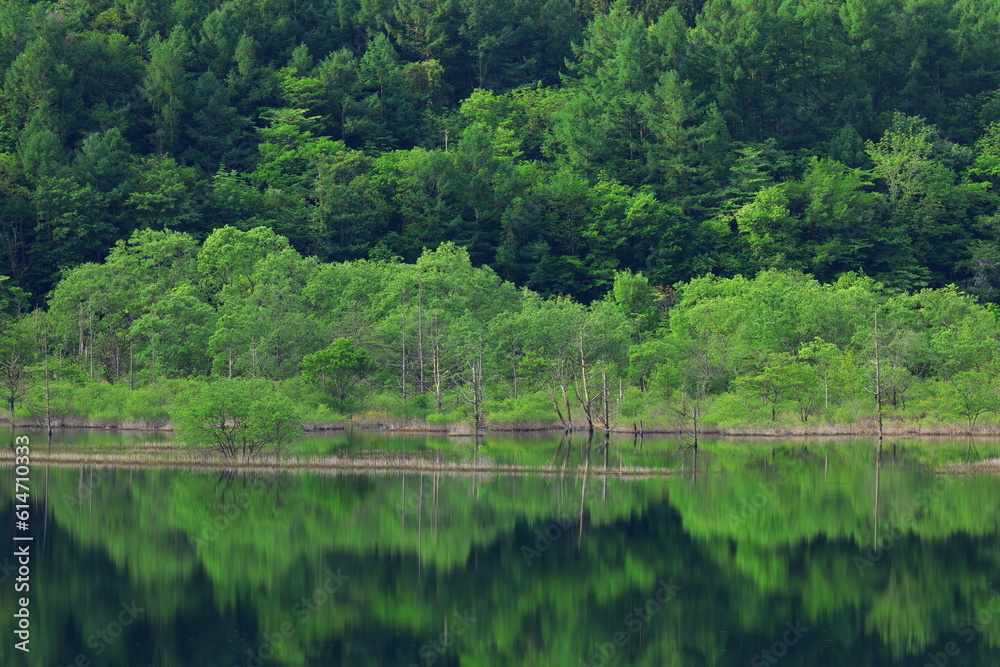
(244, 235)
(157, 455)
(244, 358)
(465, 429)
(372, 462)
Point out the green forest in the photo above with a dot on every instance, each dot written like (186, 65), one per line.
(244, 319)
(564, 211)
(468, 559)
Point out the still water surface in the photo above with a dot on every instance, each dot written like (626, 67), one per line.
(761, 554)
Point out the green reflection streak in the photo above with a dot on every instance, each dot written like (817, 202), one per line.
(755, 538)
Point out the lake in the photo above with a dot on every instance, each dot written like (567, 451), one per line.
(758, 553)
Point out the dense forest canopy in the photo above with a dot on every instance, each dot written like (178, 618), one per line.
(166, 322)
(559, 141)
(502, 210)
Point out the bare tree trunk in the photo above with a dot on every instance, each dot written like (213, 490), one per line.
(420, 339)
(48, 406)
(152, 345)
(90, 307)
(586, 401)
(878, 387)
(690, 410)
(436, 365)
(569, 410)
(513, 370)
(697, 416)
(80, 353)
(402, 373)
(607, 407)
(477, 389)
(567, 427)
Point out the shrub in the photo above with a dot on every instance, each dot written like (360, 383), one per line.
(239, 419)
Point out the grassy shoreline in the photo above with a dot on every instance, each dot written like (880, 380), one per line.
(990, 466)
(459, 429)
(357, 464)
(498, 458)
(398, 465)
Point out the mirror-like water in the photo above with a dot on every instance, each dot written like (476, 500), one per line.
(761, 554)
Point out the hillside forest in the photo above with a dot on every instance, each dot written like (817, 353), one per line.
(503, 210)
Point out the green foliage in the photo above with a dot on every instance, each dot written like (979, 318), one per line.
(604, 155)
(339, 371)
(443, 337)
(239, 419)
(529, 408)
(72, 398)
(969, 395)
(17, 354)
(558, 141)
